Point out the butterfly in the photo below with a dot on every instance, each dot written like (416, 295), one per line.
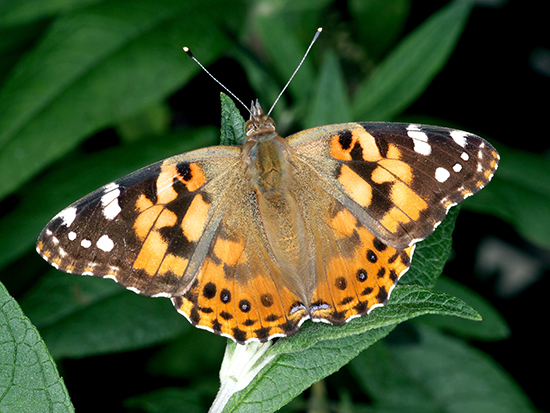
(249, 242)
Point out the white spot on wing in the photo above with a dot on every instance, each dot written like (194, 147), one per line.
(71, 235)
(457, 167)
(441, 174)
(67, 215)
(465, 156)
(85, 243)
(111, 208)
(134, 290)
(459, 137)
(420, 140)
(105, 243)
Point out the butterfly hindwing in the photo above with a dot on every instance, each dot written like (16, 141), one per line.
(399, 180)
(239, 289)
(142, 230)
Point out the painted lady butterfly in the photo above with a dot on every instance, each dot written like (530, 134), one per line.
(249, 242)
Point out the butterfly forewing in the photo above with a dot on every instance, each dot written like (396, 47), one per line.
(398, 179)
(143, 230)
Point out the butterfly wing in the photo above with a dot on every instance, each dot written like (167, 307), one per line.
(374, 190)
(239, 290)
(185, 228)
(399, 180)
(149, 230)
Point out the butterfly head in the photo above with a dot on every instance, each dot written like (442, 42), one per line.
(259, 124)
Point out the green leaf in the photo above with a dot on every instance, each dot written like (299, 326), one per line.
(153, 121)
(493, 326)
(94, 67)
(431, 372)
(330, 102)
(23, 11)
(166, 400)
(379, 22)
(410, 67)
(71, 179)
(232, 129)
(91, 316)
(430, 256)
(29, 381)
(291, 373)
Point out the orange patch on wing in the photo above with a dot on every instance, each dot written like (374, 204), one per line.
(228, 251)
(195, 218)
(393, 219)
(166, 218)
(145, 221)
(393, 152)
(371, 153)
(358, 137)
(397, 169)
(355, 186)
(407, 200)
(151, 254)
(143, 203)
(174, 264)
(343, 223)
(165, 181)
(337, 151)
(197, 178)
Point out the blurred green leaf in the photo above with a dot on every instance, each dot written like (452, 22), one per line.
(153, 121)
(285, 50)
(492, 327)
(379, 22)
(409, 68)
(92, 316)
(29, 381)
(431, 372)
(330, 102)
(80, 174)
(519, 194)
(167, 400)
(185, 357)
(17, 12)
(94, 67)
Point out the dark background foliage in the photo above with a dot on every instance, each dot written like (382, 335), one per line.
(72, 137)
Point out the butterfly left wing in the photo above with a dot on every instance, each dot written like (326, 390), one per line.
(148, 231)
(399, 180)
(378, 188)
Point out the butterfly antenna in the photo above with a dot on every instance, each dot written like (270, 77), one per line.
(315, 37)
(186, 50)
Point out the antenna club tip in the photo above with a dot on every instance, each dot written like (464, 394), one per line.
(319, 29)
(186, 50)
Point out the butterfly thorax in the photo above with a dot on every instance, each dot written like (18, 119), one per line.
(268, 168)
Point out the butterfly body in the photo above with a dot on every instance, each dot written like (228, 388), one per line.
(251, 241)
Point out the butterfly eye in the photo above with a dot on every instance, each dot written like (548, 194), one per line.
(249, 128)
